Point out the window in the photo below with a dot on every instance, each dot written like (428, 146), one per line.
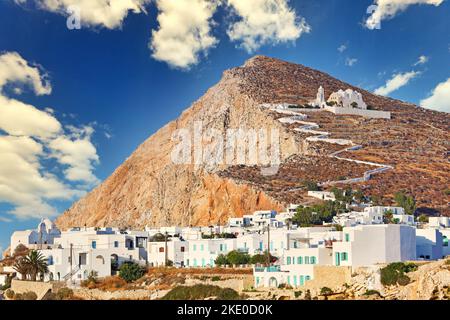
(306, 260)
(445, 241)
(288, 280)
(307, 278)
(116, 244)
(94, 244)
(194, 247)
(161, 249)
(182, 249)
(271, 245)
(203, 262)
(299, 260)
(261, 246)
(202, 247)
(302, 280)
(313, 260)
(295, 281)
(288, 260)
(347, 237)
(195, 262)
(344, 256)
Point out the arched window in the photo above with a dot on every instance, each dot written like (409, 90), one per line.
(100, 259)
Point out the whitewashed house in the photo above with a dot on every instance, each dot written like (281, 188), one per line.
(366, 245)
(429, 244)
(78, 252)
(439, 222)
(204, 252)
(176, 250)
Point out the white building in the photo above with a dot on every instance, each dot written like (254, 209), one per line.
(204, 252)
(372, 215)
(366, 245)
(176, 250)
(322, 195)
(40, 238)
(78, 252)
(320, 99)
(347, 99)
(439, 222)
(429, 244)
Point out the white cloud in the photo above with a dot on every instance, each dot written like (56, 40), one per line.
(440, 98)
(15, 69)
(29, 137)
(342, 48)
(265, 22)
(388, 9)
(184, 31)
(77, 153)
(396, 82)
(350, 62)
(106, 13)
(422, 60)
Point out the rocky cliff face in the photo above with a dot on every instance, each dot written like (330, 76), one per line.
(150, 189)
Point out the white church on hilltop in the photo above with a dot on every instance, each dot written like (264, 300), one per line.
(341, 98)
(348, 102)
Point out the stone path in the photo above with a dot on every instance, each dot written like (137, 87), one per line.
(323, 136)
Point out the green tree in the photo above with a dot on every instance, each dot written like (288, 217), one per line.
(36, 263)
(406, 202)
(21, 267)
(238, 258)
(389, 217)
(221, 260)
(130, 271)
(359, 196)
(311, 185)
(423, 218)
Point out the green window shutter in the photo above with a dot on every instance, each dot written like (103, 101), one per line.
(306, 260)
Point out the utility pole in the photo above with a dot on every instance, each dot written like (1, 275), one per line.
(268, 245)
(71, 260)
(165, 250)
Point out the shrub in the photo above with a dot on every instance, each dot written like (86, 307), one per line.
(64, 294)
(9, 294)
(325, 291)
(30, 295)
(216, 278)
(372, 292)
(394, 273)
(201, 291)
(403, 280)
(297, 293)
(131, 271)
(50, 296)
(18, 296)
(308, 295)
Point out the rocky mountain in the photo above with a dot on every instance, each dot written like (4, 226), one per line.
(150, 189)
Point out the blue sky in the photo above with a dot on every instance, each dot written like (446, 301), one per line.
(104, 77)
